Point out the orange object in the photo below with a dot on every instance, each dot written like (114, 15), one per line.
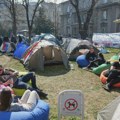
(104, 79)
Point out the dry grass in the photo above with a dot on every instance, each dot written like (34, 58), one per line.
(56, 78)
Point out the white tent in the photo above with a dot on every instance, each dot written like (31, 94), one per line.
(73, 46)
(111, 111)
(107, 39)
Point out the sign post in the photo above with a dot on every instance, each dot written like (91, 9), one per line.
(71, 103)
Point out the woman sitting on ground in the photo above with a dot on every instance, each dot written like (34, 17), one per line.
(20, 82)
(27, 102)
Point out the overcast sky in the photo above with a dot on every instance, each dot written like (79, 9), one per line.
(57, 1)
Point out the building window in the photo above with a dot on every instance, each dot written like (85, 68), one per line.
(105, 1)
(104, 15)
(68, 31)
(83, 17)
(74, 32)
(103, 27)
(74, 19)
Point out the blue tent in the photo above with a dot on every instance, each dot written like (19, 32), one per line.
(20, 50)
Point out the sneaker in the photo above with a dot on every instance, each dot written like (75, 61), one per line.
(41, 94)
(36, 88)
(85, 68)
(106, 87)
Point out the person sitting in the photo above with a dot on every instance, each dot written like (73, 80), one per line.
(13, 42)
(113, 76)
(1, 41)
(2, 85)
(27, 102)
(20, 82)
(5, 47)
(94, 59)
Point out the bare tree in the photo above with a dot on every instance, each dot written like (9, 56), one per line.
(30, 17)
(83, 27)
(11, 6)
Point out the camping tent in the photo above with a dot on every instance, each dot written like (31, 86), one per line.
(75, 47)
(44, 52)
(107, 39)
(20, 50)
(111, 111)
(45, 36)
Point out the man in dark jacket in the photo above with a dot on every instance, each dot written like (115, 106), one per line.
(113, 76)
(94, 59)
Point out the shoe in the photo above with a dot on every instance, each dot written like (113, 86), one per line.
(106, 87)
(41, 94)
(85, 68)
(38, 89)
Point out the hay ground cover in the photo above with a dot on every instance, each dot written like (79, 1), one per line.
(56, 79)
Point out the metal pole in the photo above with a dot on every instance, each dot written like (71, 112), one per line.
(55, 1)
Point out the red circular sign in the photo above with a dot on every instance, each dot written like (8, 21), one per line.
(71, 104)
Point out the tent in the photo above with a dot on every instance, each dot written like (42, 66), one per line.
(76, 47)
(111, 111)
(45, 36)
(20, 50)
(42, 53)
(107, 39)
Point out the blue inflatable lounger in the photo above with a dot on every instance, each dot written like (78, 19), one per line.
(40, 112)
(81, 61)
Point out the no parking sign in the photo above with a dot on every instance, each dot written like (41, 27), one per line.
(70, 103)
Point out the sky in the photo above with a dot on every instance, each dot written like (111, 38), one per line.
(57, 1)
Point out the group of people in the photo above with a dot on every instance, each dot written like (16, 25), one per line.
(94, 59)
(9, 44)
(112, 74)
(11, 79)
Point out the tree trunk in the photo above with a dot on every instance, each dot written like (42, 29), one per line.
(14, 29)
(83, 29)
(83, 34)
(29, 33)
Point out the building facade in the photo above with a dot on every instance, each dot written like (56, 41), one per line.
(64, 17)
(52, 11)
(105, 12)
